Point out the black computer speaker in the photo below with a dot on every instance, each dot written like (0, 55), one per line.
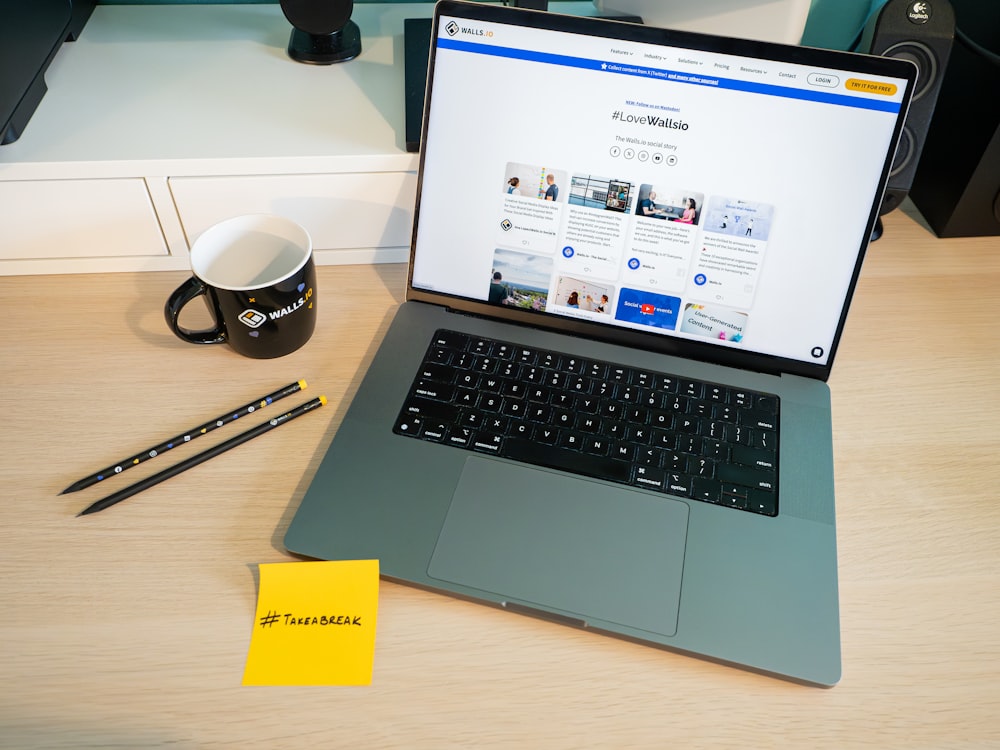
(957, 184)
(920, 31)
(323, 31)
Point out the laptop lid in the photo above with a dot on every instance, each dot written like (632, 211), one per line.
(695, 195)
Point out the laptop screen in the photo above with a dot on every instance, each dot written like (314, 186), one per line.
(714, 192)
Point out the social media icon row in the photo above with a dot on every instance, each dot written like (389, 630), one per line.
(642, 155)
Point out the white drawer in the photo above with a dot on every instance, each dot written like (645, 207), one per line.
(352, 218)
(78, 219)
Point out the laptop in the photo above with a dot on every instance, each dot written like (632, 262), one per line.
(604, 399)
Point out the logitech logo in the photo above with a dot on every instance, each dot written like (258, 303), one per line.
(918, 12)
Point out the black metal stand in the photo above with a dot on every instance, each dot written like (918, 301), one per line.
(325, 49)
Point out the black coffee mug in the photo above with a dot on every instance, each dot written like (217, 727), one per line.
(258, 278)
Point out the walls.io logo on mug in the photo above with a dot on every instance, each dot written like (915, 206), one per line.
(252, 318)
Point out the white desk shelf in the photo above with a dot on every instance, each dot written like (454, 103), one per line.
(162, 120)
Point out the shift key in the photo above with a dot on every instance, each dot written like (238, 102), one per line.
(429, 409)
(762, 480)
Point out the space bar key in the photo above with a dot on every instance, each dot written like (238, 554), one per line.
(566, 460)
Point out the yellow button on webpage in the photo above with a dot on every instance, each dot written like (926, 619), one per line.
(871, 87)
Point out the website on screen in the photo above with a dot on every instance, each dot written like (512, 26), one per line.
(688, 193)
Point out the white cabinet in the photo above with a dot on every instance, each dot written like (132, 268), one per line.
(74, 219)
(161, 120)
(353, 218)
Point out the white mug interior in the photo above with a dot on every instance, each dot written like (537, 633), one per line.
(250, 252)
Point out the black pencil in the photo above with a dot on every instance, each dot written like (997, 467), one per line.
(205, 455)
(186, 437)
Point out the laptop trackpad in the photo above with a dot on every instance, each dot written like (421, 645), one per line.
(589, 550)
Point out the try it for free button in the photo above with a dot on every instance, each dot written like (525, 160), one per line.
(871, 87)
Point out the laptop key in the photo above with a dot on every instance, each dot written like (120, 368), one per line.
(435, 390)
(706, 490)
(690, 388)
(480, 346)
(490, 402)
(408, 424)
(568, 439)
(567, 460)
(767, 439)
(488, 442)
(504, 351)
(466, 379)
(714, 449)
(623, 451)
(746, 476)
(466, 397)
(545, 435)
(490, 384)
(731, 500)
(514, 407)
(435, 431)
(649, 477)
(525, 356)
(647, 456)
(679, 484)
(701, 467)
(596, 445)
(758, 418)
(756, 457)
(762, 502)
(520, 428)
(460, 436)
(428, 409)
(767, 404)
(450, 339)
(439, 372)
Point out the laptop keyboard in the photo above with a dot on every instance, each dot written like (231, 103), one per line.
(600, 419)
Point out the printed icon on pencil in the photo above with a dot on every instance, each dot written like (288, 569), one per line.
(252, 318)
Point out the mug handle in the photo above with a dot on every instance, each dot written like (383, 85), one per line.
(183, 294)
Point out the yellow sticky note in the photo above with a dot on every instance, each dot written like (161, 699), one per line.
(315, 624)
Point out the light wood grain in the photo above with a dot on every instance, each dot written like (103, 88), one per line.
(130, 628)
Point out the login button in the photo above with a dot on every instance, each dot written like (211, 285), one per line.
(823, 79)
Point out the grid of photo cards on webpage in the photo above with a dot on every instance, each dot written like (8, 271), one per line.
(641, 253)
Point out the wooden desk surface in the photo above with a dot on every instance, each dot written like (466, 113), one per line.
(129, 628)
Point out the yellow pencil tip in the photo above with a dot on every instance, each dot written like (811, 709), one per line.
(322, 400)
(303, 384)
